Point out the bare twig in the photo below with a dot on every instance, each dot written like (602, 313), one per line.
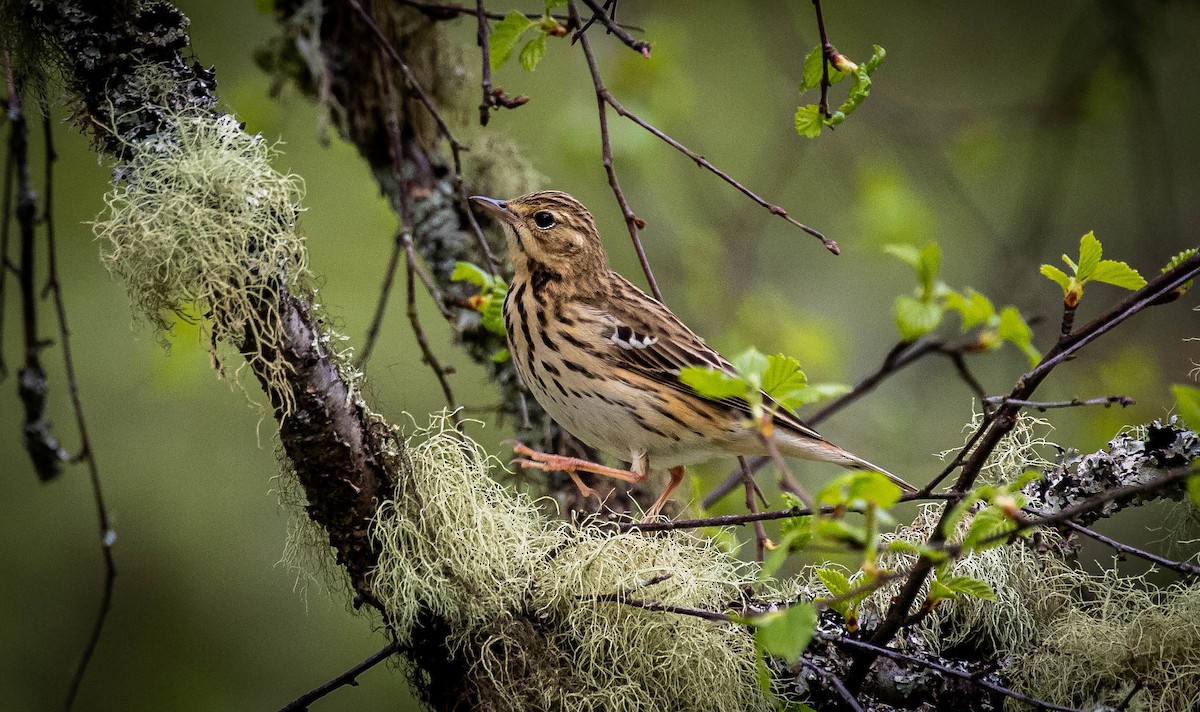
(826, 58)
(760, 532)
(451, 10)
(5, 221)
(979, 681)
(427, 354)
(86, 454)
(485, 81)
(1184, 568)
(599, 13)
(350, 677)
(838, 686)
(1043, 406)
(605, 95)
(456, 147)
(632, 221)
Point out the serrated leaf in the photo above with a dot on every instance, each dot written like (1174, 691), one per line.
(504, 37)
(1179, 259)
(1187, 402)
(873, 487)
(908, 254)
(785, 634)
(1090, 252)
(751, 365)
(810, 76)
(783, 376)
(711, 383)
(988, 523)
(974, 308)
(915, 318)
(1057, 276)
(808, 121)
(532, 52)
(967, 586)
(470, 273)
(1117, 274)
(811, 394)
(938, 591)
(835, 582)
(859, 91)
(1012, 328)
(877, 56)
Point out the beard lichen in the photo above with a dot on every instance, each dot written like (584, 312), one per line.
(520, 594)
(203, 227)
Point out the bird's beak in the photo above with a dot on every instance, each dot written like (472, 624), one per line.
(496, 208)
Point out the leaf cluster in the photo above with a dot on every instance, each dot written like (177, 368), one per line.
(508, 33)
(921, 312)
(764, 382)
(809, 120)
(1091, 268)
(489, 302)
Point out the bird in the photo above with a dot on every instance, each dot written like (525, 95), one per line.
(603, 358)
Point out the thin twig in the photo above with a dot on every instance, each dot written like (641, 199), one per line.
(451, 10)
(1137, 687)
(826, 58)
(108, 536)
(1043, 406)
(760, 532)
(427, 354)
(485, 81)
(632, 222)
(903, 657)
(350, 677)
(600, 14)
(838, 686)
(1185, 568)
(604, 94)
(6, 217)
(456, 148)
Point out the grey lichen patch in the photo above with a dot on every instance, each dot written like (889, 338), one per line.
(519, 591)
(203, 227)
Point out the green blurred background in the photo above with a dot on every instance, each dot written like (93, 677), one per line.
(1002, 130)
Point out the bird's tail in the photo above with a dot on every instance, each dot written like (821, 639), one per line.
(824, 451)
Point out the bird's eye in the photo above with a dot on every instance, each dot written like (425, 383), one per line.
(543, 219)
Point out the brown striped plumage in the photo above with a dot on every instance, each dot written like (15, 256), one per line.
(603, 357)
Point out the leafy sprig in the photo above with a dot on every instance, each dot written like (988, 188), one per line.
(489, 302)
(921, 312)
(779, 377)
(508, 33)
(808, 120)
(1091, 268)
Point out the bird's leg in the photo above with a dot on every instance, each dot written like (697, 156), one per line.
(676, 478)
(571, 465)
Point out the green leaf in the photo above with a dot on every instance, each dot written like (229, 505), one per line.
(915, 318)
(988, 523)
(1090, 252)
(467, 272)
(492, 313)
(504, 37)
(551, 4)
(532, 52)
(899, 546)
(808, 121)
(1118, 274)
(1012, 328)
(927, 268)
(752, 366)
(501, 356)
(837, 530)
(938, 591)
(1193, 490)
(783, 376)
(811, 394)
(1179, 259)
(711, 383)
(909, 254)
(873, 487)
(975, 308)
(877, 56)
(967, 586)
(838, 585)
(810, 76)
(1187, 401)
(785, 634)
(1057, 276)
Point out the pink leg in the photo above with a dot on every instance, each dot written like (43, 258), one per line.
(676, 478)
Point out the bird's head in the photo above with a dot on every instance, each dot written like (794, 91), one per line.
(548, 229)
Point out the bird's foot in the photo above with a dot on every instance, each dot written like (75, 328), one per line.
(676, 478)
(569, 465)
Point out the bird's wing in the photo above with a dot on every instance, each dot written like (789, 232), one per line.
(641, 335)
